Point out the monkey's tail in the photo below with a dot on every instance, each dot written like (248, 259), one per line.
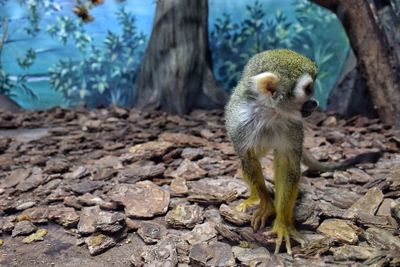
(314, 165)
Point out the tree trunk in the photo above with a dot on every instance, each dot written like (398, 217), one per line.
(376, 62)
(175, 73)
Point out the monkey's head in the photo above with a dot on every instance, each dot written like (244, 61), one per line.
(283, 79)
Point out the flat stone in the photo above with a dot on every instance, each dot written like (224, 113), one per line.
(188, 170)
(87, 186)
(151, 232)
(109, 162)
(25, 205)
(251, 257)
(212, 254)
(134, 173)
(99, 243)
(110, 222)
(150, 150)
(200, 233)
(183, 139)
(234, 216)
(88, 199)
(368, 203)
(23, 228)
(15, 177)
(179, 187)
(37, 236)
(36, 214)
(87, 219)
(350, 252)
(160, 255)
(381, 238)
(191, 153)
(34, 180)
(384, 208)
(395, 209)
(184, 216)
(340, 198)
(214, 191)
(141, 200)
(340, 230)
(65, 216)
(78, 173)
(56, 166)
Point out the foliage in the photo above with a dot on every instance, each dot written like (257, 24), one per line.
(34, 10)
(233, 44)
(102, 76)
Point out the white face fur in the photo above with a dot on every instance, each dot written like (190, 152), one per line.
(303, 89)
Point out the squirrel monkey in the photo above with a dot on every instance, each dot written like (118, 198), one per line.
(265, 114)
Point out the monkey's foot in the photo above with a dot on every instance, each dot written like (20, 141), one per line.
(286, 232)
(261, 216)
(247, 204)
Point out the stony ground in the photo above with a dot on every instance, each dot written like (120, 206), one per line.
(118, 188)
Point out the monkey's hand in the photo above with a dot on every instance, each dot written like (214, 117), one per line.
(262, 214)
(283, 230)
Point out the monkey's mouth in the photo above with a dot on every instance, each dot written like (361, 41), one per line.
(308, 107)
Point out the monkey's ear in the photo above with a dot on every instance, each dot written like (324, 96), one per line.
(266, 82)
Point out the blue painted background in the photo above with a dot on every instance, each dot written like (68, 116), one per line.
(41, 69)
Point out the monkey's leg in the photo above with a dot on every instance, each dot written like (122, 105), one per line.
(252, 173)
(287, 180)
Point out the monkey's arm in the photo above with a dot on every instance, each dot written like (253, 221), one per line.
(314, 165)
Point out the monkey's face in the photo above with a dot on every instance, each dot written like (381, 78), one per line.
(284, 94)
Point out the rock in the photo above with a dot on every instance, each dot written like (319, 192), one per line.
(251, 257)
(87, 220)
(381, 238)
(23, 228)
(99, 243)
(350, 252)
(36, 214)
(234, 216)
(141, 200)
(86, 186)
(212, 254)
(191, 153)
(150, 150)
(110, 222)
(228, 233)
(151, 232)
(34, 180)
(340, 198)
(160, 255)
(200, 233)
(179, 187)
(384, 208)
(15, 177)
(368, 203)
(183, 139)
(109, 162)
(37, 236)
(184, 216)
(395, 209)
(214, 191)
(188, 170)
(134, 173)
(56, 165)
(25, 205)
(67, 217)
(340, 230)
(78, 173)
(88, 199)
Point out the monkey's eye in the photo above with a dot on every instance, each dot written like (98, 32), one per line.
(308, 89)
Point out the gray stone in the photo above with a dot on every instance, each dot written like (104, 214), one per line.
(23, 228)
(212, 254)
(200, 233)
(151, 232)
(88, 218)
(184, 216)
(65, 216)
(110, 222)
(381, 238)
(251, 257)
(350, 252)
(99, 243)
(141, 200)
(234, 216)
(188, 170)
(163, 254)
(339, 229)
(25, 205)
(368, 203)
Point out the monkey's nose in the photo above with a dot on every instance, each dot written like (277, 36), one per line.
(308, 107)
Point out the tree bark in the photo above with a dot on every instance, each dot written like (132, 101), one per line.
(375, 60)
(175, 73)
